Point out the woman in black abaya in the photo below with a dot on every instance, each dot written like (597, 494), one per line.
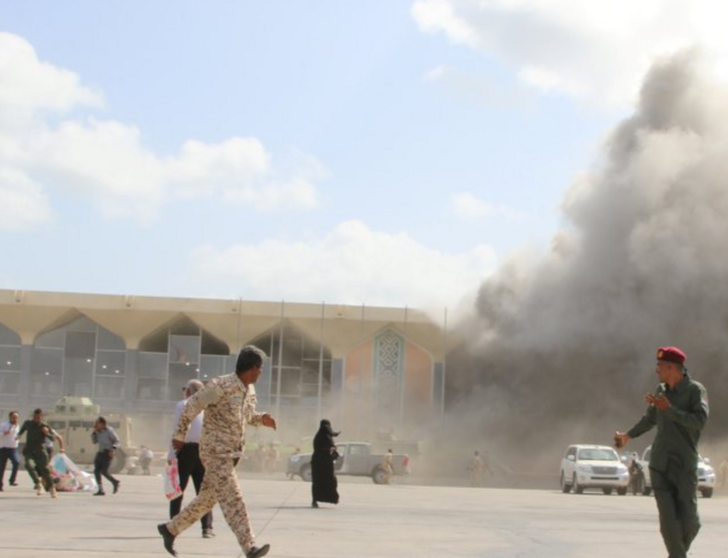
(323, 487)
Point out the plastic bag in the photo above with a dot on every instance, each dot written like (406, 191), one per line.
(68, 477)
(172, 489)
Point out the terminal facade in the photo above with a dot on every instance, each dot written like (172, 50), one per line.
(369, 370)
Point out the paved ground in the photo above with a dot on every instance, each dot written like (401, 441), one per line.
(397, 521)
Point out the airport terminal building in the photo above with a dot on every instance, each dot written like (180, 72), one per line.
(367, 369)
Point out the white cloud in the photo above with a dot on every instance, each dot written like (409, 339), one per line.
(436, 73)
(352, 264)
(595, 49)
(23, 205)
(29, 86)
(467, 206)
(105, 161)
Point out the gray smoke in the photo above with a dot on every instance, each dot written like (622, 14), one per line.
(561, 348)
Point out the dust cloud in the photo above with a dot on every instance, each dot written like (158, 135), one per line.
(561, 345)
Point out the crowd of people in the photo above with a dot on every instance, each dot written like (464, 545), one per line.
(209, 439)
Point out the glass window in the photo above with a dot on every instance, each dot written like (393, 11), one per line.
(150, 389)
(78, 376)
(153, 365)
(179, 375)
(81, 345)
(8, 336)
(111, 363)
(46, 372)
(52, 339)
(109, 386)
(109, 341)
(212, 366)
(290, 382)
(82, 323)
(9, 383)
(184, 349)
(10, 359)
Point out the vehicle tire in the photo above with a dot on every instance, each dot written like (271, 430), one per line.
(118, 462)
(305, 472)
(621, 491)
(707, 492)
(577, 489)
(379, 476)
(646, 490)
(607, 491)
(565, 487)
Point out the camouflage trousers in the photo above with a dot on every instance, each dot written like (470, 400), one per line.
(220, 486)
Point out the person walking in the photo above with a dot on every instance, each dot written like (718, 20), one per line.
(35, 454)
(9, 448)
(636, 474)
(108, 441)
(145, 459)
(679, 409)
(324, 483)
(189, 463)
(477, 470)
(388, 466)
(229, 403)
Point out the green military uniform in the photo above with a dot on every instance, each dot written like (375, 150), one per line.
(674, 461)
(34, 452)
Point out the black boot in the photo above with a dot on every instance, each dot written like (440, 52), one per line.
(256, 552)
(168, 538)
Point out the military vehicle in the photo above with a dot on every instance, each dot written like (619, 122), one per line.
(74, 419)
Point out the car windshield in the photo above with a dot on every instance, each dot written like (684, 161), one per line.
(598, 454)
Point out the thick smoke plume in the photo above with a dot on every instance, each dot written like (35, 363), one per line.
(561, 348)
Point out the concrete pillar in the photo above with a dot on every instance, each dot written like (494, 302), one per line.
(26, 354)
(131, 376)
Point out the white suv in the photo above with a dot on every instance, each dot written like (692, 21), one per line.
(706, 475)
(586, 466)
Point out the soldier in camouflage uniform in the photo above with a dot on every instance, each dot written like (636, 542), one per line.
(679, 409)
(229, 402)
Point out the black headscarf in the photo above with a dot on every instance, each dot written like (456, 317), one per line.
(324, 439)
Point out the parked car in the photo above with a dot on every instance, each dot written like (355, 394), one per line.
(356, 459)
(587, 466)
(706, 475)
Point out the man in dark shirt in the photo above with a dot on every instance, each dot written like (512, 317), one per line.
(35, 454)
(679, 409)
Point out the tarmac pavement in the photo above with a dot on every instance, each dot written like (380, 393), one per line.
(399, 520)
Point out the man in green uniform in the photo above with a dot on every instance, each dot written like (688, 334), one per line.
(34, 452)
(679, 408)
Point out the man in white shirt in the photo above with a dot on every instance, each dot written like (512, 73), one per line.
(9, 448)
(188, 458)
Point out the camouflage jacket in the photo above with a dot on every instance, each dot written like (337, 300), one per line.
(228, 405)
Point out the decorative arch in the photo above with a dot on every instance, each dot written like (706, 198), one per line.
(76, 356)
(174, 353)
(388, 384)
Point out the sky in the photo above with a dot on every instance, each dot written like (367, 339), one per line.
(380, 152)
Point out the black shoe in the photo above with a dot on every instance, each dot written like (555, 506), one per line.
(168, 538)
(13, 484)
(116, 486)
(314, 504)
(1, 489)
(207, 533)
(256, 552)
(100, 493)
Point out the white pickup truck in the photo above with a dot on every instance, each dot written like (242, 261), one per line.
(356, 459)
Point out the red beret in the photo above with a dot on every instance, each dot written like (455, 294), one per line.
(671, 354)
